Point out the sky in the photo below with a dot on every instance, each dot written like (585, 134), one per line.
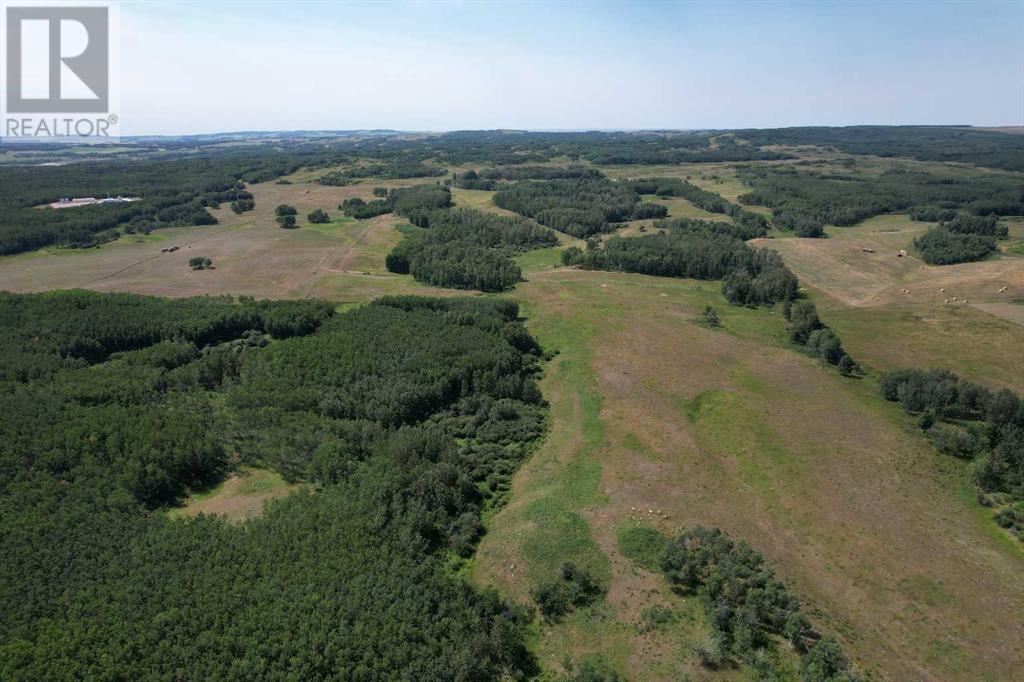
(203, 67)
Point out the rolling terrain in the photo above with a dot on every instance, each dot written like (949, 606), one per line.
(660, 421)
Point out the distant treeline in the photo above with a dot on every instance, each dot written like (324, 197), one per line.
(487, 179)
(467, 249)
(805, 201)
(577, 207)
(971, 422)
(926, 143)
(414, 203)
(172, 193)
(405, 418)
(397, 170)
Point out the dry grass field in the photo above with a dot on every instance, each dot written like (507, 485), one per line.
(899, 312)
(658, 419)
(342, 261)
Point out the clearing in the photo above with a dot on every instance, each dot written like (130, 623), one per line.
(240, 496)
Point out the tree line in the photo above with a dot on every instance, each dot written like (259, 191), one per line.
(969, 421)
(398, 169)
(806, 201)
(488, 178)
(413, 203)
(752, 276)
(173, 193)
(747, 608)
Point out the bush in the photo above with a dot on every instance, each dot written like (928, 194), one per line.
(286, 221)
(573, 587)
(199, 263)
(318, 216)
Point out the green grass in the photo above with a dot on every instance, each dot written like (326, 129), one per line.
(539, 259)
(238, 497)
(641, 543)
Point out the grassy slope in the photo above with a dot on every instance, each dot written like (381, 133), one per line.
(656, 418)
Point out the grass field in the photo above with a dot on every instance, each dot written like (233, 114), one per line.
(239, 497)
(343, 260)
(657, 419)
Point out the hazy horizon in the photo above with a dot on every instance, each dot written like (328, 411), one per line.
(437, 66)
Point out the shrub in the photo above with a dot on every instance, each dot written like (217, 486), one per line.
(318, 216)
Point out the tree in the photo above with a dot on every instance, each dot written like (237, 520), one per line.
(711, 317)
(286, 221)
(285, 209)
(847, 366)
(199, 263)
(318, 216)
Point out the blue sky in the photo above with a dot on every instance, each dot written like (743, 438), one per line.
(191, 67)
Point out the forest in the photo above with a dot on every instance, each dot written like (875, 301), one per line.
(578, 207)
(926, 143)
(403, 419)
(488, 178)
(467, 249)
(752, 224)
(752, 276)
(806, 201)
(397, 170)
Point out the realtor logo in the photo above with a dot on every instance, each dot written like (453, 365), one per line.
(59, 72)
(58, 60)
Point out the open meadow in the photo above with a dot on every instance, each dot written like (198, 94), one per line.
(661, 421)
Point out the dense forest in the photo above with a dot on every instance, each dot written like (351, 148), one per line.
(577, 207)
(405, 419)
(974, 423)
(806, 201)
(467, 249)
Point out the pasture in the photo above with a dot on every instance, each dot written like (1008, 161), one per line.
(342, 260)
(659, 420)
